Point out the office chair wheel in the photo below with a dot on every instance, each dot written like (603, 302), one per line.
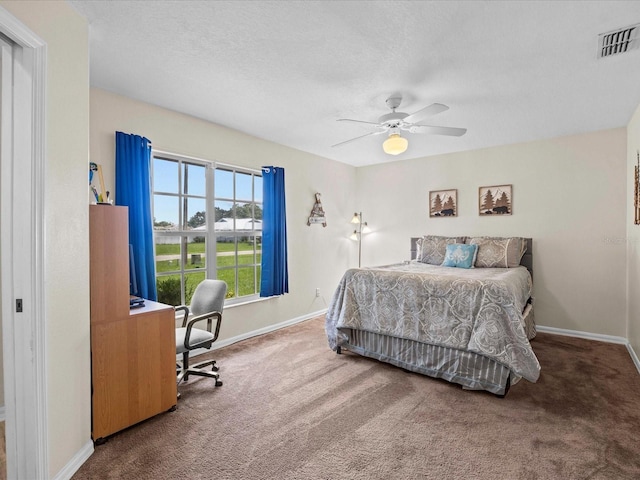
(218, 383)
(215, 368)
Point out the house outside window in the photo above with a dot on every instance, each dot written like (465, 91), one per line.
(204, 211)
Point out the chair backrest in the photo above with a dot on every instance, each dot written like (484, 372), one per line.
(208, 297)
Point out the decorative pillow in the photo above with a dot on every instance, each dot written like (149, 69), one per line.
(432, 248)
(498, 252)
(460, 255)
(418, 257)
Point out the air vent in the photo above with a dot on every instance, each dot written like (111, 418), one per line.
(618, 41)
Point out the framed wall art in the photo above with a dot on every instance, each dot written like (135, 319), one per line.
(636, 191)
(495, 200)
(443, 203)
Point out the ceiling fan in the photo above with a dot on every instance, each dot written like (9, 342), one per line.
(395, 122)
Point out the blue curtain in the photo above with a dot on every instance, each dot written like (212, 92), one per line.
(275, 275)
(133, 189)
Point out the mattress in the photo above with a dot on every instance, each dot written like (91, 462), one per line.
(405, 313)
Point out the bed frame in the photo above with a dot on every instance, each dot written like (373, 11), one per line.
(471, 370)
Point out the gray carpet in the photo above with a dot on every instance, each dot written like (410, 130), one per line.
(290, 408)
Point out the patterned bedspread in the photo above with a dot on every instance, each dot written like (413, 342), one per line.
(479, 309)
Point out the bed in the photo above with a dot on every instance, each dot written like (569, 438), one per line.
(469, 326)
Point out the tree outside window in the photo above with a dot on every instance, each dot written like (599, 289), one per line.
(191, 225)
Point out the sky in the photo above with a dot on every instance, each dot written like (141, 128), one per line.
(166, 180)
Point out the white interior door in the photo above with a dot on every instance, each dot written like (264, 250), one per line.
(22, 151)
(6, 126)
(6, 72)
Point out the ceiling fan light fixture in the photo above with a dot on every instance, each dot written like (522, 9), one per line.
(395, 144)
(393, 123)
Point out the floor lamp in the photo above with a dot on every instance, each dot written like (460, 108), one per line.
(357, 233)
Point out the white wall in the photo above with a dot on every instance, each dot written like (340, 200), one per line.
(66, 262)
(569, 195)
(633, 235)
(318, 256)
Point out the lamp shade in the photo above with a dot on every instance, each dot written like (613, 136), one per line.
(395, 144)
(356, 218)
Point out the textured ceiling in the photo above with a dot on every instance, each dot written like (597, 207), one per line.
(285, 71)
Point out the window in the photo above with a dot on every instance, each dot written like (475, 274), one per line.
(202, 212)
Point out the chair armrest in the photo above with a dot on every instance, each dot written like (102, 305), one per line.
(185, 309)
(209, 316)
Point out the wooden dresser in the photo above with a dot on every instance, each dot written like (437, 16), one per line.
(133, 351)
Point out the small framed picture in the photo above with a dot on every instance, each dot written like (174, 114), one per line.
(443, 203)
(495, 200)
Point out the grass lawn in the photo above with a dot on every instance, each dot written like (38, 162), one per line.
(169, 285)
(174, 248)
(163, 266)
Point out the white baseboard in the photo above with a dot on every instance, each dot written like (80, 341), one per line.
(270, 328)
(76, 462)
(87, 450)
(634, 357)
(593, 336)
(578, 334)
(254, 333)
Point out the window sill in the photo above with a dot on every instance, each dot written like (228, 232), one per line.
(237, 304)
(248, 301)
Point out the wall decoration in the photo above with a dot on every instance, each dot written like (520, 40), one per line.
(317, 213)
(101, 196)
(495, 200)
(636, 191)
(443, 203)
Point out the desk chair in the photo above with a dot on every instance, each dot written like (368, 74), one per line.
(206, 304)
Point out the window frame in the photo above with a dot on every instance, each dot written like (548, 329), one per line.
(210, 233)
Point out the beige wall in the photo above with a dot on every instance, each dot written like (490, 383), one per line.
(317, 256)
(633, 235)
(66, 262)
(569, 195)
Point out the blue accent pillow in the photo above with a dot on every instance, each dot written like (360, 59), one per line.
(460, 255)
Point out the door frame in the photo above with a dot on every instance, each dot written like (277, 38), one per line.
(22, 223)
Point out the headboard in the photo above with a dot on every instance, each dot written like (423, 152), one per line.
(527, 258)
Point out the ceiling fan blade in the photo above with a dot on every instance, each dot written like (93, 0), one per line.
(358, 138)
(451, 131)
(426, 112)
(358, 121)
